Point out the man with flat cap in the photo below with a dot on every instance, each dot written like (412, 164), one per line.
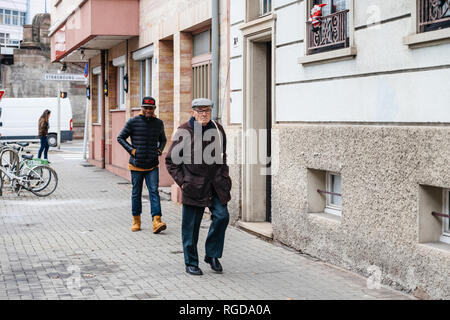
(147, 143)
(197, 162)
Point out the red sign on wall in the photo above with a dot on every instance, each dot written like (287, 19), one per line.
(2, 92)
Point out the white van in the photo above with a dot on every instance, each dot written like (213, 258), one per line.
(20, 117)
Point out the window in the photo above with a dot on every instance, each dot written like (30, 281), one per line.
(7, 16)
(434, 15)
(201, 80)
(265, 7)
(334, 194)
(202, 43)
(446, 221)
(145, 79)
(330, 30)
(22, 18)
(201, 65)
(120, 88)
(15, 18)
(99, 98)
(4, 38)
(1, 16)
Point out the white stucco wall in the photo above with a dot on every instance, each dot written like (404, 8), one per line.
(386, 81)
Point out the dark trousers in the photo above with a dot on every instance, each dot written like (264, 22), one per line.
(190, 227)
(44, 147)
(152, 181)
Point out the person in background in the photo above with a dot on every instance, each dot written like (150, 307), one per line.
(43, 133)
(147, 144)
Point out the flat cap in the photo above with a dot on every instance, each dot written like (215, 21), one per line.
(201, 102)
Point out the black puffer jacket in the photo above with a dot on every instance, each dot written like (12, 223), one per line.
(147, 136)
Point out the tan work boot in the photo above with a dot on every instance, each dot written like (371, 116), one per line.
(136, 223)
(158, 225)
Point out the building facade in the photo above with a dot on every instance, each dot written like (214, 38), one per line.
(338, 135)
(23, 77)
(359, 133)
(13, 16)
(135, 49)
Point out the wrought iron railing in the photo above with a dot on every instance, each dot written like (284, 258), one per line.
(332, 32)
(433, 13)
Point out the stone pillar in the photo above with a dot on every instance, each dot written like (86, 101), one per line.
(182, 77)
(163, 83)
(133, 96)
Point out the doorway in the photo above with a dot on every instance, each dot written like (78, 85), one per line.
(257, 188)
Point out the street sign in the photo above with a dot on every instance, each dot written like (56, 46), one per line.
(64, 77)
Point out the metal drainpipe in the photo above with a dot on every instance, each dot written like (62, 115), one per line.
(215, 58)
(103, 144)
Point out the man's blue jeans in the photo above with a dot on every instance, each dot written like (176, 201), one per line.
(152, 182)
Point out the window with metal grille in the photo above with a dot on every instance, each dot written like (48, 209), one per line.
(330, 31)
(433, 15)
(201, 65)
(201, 78)
(334, 194)
(445, 220)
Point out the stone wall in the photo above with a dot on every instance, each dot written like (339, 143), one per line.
(24, 79)
(383, 169)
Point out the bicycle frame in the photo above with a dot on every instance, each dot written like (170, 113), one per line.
(21, 180)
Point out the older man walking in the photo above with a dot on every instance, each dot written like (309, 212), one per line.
(197, 162)
(147, 143)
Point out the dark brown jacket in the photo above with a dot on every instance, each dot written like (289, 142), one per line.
(43, 127)
(198, 181)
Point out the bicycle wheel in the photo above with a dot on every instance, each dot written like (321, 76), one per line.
(9, 159)
(42, 181)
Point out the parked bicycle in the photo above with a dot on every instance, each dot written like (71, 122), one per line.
(30, 174)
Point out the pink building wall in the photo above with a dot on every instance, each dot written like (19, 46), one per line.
(99, 18)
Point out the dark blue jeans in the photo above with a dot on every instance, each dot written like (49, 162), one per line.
(152, 181)
(44, 147)
(190, 227)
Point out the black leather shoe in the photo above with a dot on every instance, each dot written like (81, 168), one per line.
(196, 271)
(215, 264)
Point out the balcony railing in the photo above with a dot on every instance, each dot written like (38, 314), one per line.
(332, 33)
(433, 14)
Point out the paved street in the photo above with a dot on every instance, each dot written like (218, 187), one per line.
(77, 244)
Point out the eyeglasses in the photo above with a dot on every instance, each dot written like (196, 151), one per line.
(148, 107)
(203, 111)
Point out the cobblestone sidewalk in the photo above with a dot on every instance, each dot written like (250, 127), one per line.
(77, 244)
